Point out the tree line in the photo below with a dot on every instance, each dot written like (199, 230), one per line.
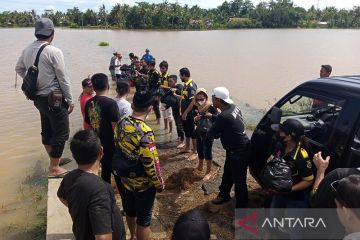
(230, 14)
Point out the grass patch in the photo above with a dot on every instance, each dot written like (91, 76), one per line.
(103, 44)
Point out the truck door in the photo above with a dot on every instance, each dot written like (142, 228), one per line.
(354, 153)
(317, 113)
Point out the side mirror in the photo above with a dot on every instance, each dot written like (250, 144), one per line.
(274, 115)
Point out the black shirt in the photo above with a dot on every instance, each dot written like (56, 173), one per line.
(324, 196)
(229, 126)
(100, 112)
(144, 70)
(154, 81)
(92, 206)
(299, 162)
(179, 87)
(187, 94)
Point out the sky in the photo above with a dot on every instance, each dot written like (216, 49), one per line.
(63, 5)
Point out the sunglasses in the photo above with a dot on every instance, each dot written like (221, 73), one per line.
(334, 186)
(200, 99)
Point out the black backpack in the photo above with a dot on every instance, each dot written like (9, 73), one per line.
(29, 85)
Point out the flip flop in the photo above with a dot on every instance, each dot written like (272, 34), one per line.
(60, 175)
(64, 161)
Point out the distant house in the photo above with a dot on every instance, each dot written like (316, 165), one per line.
(323, 23)
(319, 24)
(193, 22)
(209, 23)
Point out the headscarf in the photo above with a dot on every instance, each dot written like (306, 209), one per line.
(202, 108)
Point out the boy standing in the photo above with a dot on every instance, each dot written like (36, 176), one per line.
(177, 89)
(123, 90)
(91, 201)
(87, 93)
(166, 110)
(102, 114)
(154, 83)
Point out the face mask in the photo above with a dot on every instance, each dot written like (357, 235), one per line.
(201, 102)
(281, 139)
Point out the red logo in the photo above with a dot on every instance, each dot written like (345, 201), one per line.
(249, 227)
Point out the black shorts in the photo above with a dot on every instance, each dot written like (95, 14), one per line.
(204, 148)
(140, 205)
(54, 126)
(189, 127)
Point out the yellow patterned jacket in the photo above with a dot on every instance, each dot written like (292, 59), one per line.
(135, 139)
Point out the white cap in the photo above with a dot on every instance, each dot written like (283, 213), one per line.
(222, 93)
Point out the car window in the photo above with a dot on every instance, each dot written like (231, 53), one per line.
(297, 105)
(316, 114)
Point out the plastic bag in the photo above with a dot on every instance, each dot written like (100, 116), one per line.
(169, 99)
(276, 175)
(203, 127)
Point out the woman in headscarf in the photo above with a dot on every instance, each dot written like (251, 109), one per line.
(205, 114)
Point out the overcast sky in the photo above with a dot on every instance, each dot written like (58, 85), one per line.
(63, 5)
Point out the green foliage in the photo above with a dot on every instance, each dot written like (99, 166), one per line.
(103, 44)
(165, 15)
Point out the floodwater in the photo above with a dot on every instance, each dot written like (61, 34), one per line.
(257, 66)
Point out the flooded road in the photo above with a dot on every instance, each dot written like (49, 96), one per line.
(256, 65)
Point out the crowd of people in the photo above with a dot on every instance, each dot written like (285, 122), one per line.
(117, 139)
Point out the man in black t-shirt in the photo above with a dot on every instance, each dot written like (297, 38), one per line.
(177, 89)
(229, 126)
(186, 110)
(91, 201)
(154, 83)
(322, 195)
(102, 114)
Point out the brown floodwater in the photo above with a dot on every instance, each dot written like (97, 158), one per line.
(256, 65)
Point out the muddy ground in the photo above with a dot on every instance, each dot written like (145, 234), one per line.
(185, 190)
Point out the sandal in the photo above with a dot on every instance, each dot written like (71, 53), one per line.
(60, 175)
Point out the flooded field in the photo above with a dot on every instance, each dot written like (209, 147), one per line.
(257, 66)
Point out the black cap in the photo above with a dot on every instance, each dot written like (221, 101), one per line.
(290, 126)
(142, 99)
(328, 68)
(191, 226)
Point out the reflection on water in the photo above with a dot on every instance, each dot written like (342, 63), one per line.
(256, 65)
